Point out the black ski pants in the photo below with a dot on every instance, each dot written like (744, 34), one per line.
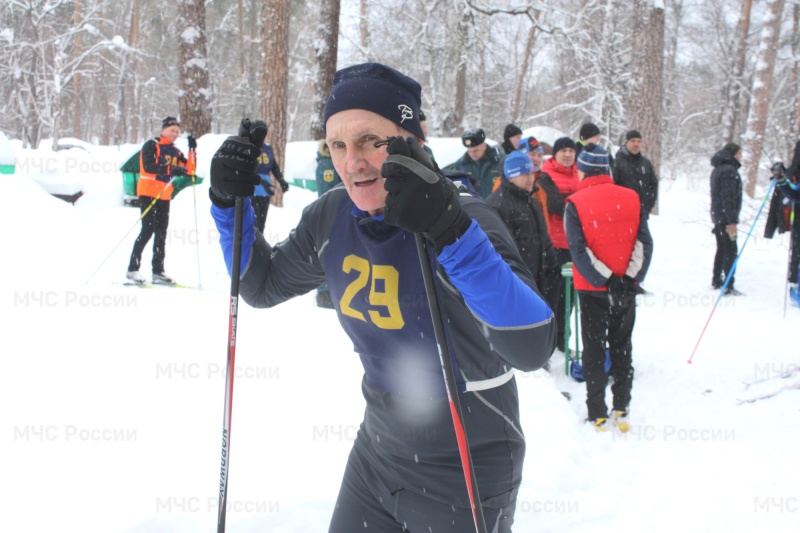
(727, 250)
(154, 222)
(607, 321)
(368, 502)
(260, 206)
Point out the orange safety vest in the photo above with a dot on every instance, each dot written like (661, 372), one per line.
(166, 156)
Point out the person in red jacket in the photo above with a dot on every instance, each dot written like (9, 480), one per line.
(611, 247)
(559, 179)
(160, 162)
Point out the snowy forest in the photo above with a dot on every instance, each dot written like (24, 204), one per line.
(691, 75)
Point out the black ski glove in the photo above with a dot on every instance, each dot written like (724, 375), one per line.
(233, 167)
(778, 172)
(282, 182)
(192, 142)
(268, 187)
(420, 199)
(615, 286)
(630, 284)
(178, 170)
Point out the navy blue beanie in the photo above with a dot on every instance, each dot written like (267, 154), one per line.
(593, 160)
(561, 143)
(380, 89)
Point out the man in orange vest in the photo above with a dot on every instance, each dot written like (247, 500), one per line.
(160, 162)
(611, 247)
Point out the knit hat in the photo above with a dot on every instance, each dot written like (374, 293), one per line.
(510, 131)
(530, 144)
(733, 148)
(633, 134)
(588, 131)
(561, 143)
(593, 160)
(472, 138)
(380, 89)
(169, 121)
(517, 164)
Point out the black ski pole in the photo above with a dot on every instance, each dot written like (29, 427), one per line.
(450, 385)
(234, 313)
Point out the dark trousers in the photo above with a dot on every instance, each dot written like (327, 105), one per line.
(727, 250)
(794, 258)
(154, 222)
(606, 321)
(559, 294)
(367, 502)
(260, 206)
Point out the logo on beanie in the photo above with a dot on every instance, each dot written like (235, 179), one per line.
(405, 113)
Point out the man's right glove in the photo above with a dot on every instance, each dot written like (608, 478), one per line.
(178, 170)
(233, 167)
(420, 199)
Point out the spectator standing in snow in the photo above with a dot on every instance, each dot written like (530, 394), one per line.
(160, 162)
(726, 204)
(511, 136)
(404, 470)
(559, 180)
(267, 167)
(516, 206)
(327, 179)
(634, 171)
(589, 134)
(482, 162)
(611, 248)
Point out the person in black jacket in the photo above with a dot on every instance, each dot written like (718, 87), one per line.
(726, 204)
(635, 171)
(783, 214)
(523, 215)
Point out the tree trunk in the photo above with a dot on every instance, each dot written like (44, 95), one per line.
(194, 102)
(363, 27)
(523, 74)
(648, 80)
(762, 90)
(327, 52)
(76, 80)
(732, 116)
(274, 82)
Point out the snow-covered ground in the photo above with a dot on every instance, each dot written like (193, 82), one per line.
(113, 396)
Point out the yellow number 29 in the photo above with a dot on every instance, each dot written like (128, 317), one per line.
(383, 292)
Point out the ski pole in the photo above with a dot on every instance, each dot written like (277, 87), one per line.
(733, 269)
(234, 313)
(193, 165)
(450, 385)
(144, 214)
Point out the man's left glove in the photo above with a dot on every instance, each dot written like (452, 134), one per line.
(192, 142)
(233, 167)
(420, 199)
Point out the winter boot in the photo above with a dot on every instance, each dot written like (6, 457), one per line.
(730, 291)
(136, 277)
(161, 278)
(599, 424)
(620, 421)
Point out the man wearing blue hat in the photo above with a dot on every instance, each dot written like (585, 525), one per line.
(610, 245)
(404, 472)
(523, 215)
